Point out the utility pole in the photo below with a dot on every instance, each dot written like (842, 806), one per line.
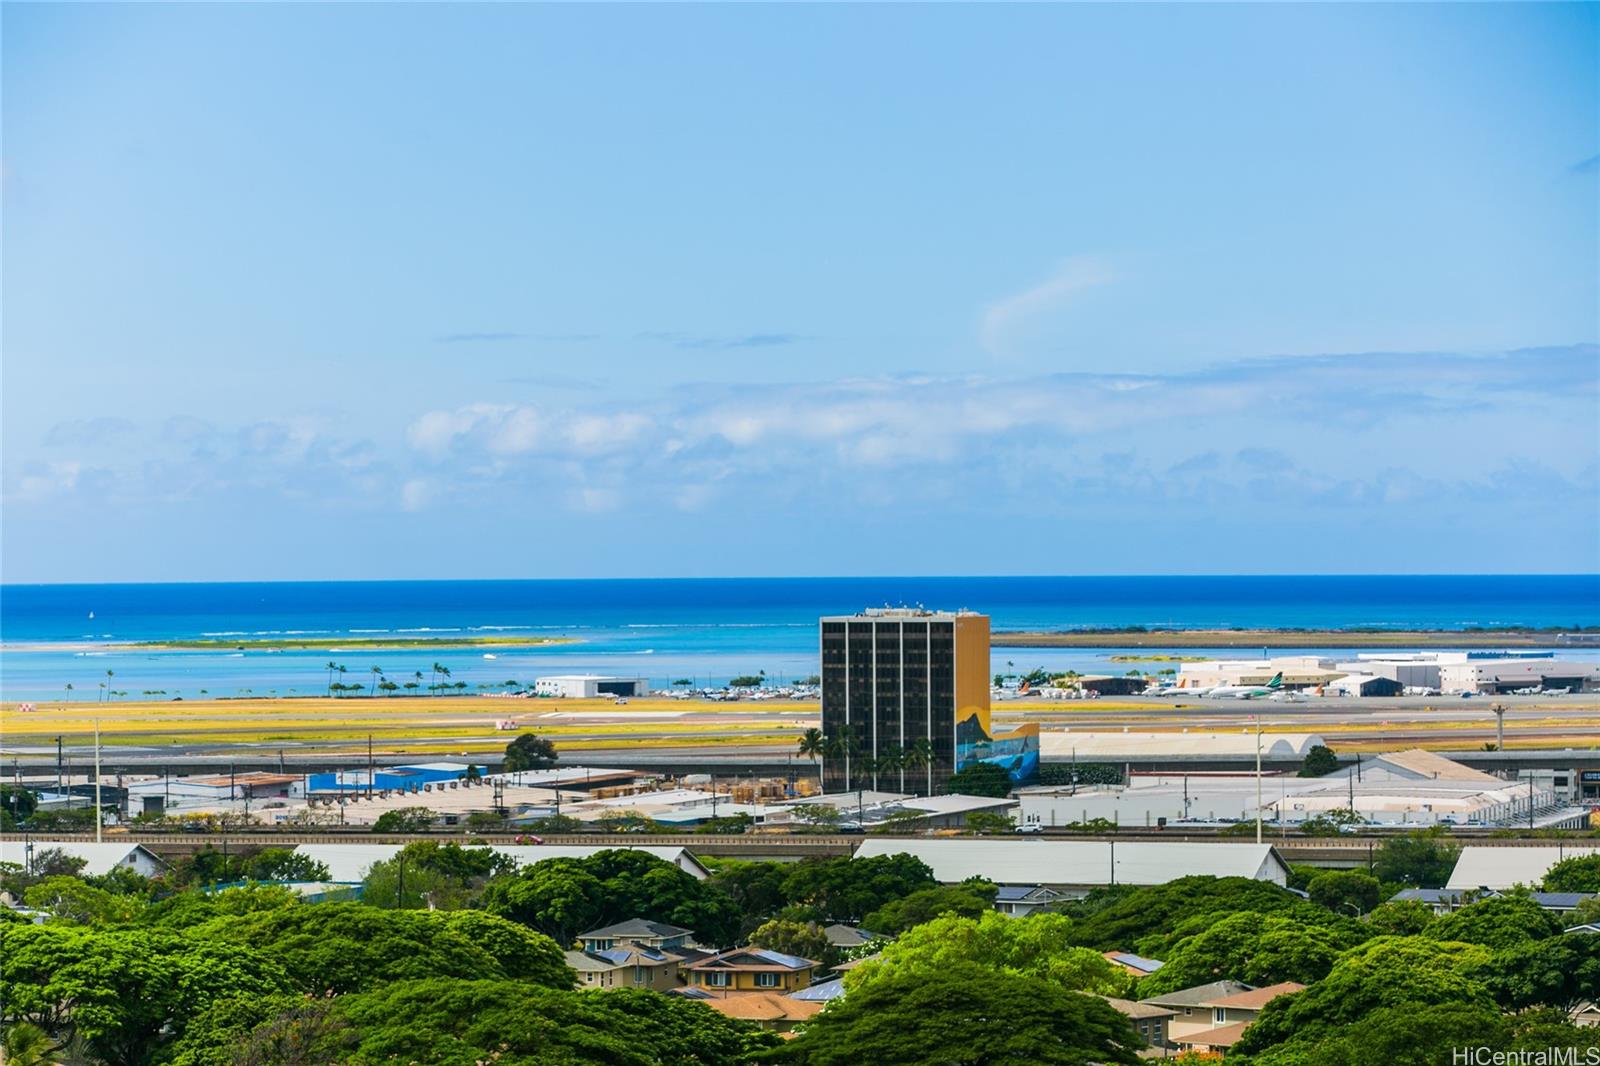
(1530, 799)
(99, 812)
(371, 773)
(1113, 861)
(1258, 778)
(1499, 710)
(58, 764)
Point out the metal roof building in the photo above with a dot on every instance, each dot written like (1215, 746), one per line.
(1506, 867)
(1083, 864)
(1059, 744)
(97, 859)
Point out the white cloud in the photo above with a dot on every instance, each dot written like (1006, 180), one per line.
(1006, 319)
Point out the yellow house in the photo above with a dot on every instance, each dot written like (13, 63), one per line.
(751, 970)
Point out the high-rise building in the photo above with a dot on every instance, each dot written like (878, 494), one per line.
(905, 701)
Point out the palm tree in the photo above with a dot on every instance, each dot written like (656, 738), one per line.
(28, 1045)
(812, 745)
(377, 672)
(332, 666)
(445, 670)
(918, 756)
(69, 690)
(834, 747)
(433, 682)
(891, 759)
(109, 675)
(340, 671)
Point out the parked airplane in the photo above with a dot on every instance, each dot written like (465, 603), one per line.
(1246, 692)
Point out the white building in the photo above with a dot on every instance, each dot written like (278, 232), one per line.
(98, 859)
(589, 686)
(1076, 866)
(1416, 788)
(1061, 745)
(1503, 867)
(1508, 675)
(1299, 671)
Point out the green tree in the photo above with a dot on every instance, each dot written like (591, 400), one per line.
(1319, 762)
(805, 939)
(25, 1044)
(1332, 823)
(529, 751)
(1345, 891)
(1421, 859)
(1386, 972)
(1561, 972)
(1261, 949)
(1581, 873)
(965, 1013)
(467, 1023)
(1127, 915)
(1406, 1035)
(1400, 917)
(73, 900)
(984, 822)
(125, 993)
(1498, 922)
(846, 890)
(1035, 945)
(345, 947)
(756, 888)
(405, 820)
(564, 897)
(284, 864)
(966, 900)
(980, 779)
(813, 745)
(17, 804)
(430, 874)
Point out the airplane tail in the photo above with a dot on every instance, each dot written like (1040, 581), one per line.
(1276, 682)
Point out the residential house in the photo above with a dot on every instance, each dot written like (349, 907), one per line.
(627, 967)
(1191, 1013)
(770, 1010)
(1018, 901)
(1231, 1015)
(751, 970)
(1137, 965)
(1445, 900)
(1149, 1020)
(657, 935)
(844, 937)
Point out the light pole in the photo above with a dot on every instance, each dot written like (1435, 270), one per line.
(1258, 779)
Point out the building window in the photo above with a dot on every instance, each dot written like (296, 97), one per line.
(1219, 1016)
(717, 978)
(766, 980)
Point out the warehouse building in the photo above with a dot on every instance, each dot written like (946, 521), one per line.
(98, 859)
(1503, 867)
(1074, 867)
(589, 686)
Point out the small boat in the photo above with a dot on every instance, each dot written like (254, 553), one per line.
(487, 656)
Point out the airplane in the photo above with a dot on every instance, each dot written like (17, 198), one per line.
(1246, 692)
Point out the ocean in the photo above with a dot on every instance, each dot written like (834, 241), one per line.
(706, 630)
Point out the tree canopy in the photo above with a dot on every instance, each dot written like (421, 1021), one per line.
(964, 1012)
(529, 751)
(1580, 873)
(967, 900)
(1420, 859)
(980, 779)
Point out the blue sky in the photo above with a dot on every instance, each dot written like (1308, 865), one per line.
(298, 291)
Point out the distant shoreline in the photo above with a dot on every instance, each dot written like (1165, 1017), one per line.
(1298, 638)
(298, 644)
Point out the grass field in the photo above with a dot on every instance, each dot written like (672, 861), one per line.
(421, 725)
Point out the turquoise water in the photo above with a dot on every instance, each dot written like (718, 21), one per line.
(705, 630)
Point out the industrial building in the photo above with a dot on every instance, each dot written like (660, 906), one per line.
(589, 686)
(912, 680)
(98, 859)
(1504, 867)
(1445, 671)
(1074, 867)
(1408, 788)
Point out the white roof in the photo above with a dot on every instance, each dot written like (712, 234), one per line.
(1061, 744)
(350, 862)
(1506, 867)
(98, 858)
(1430, 765)
(955, 804)
(1080, 862)
(585, 677)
